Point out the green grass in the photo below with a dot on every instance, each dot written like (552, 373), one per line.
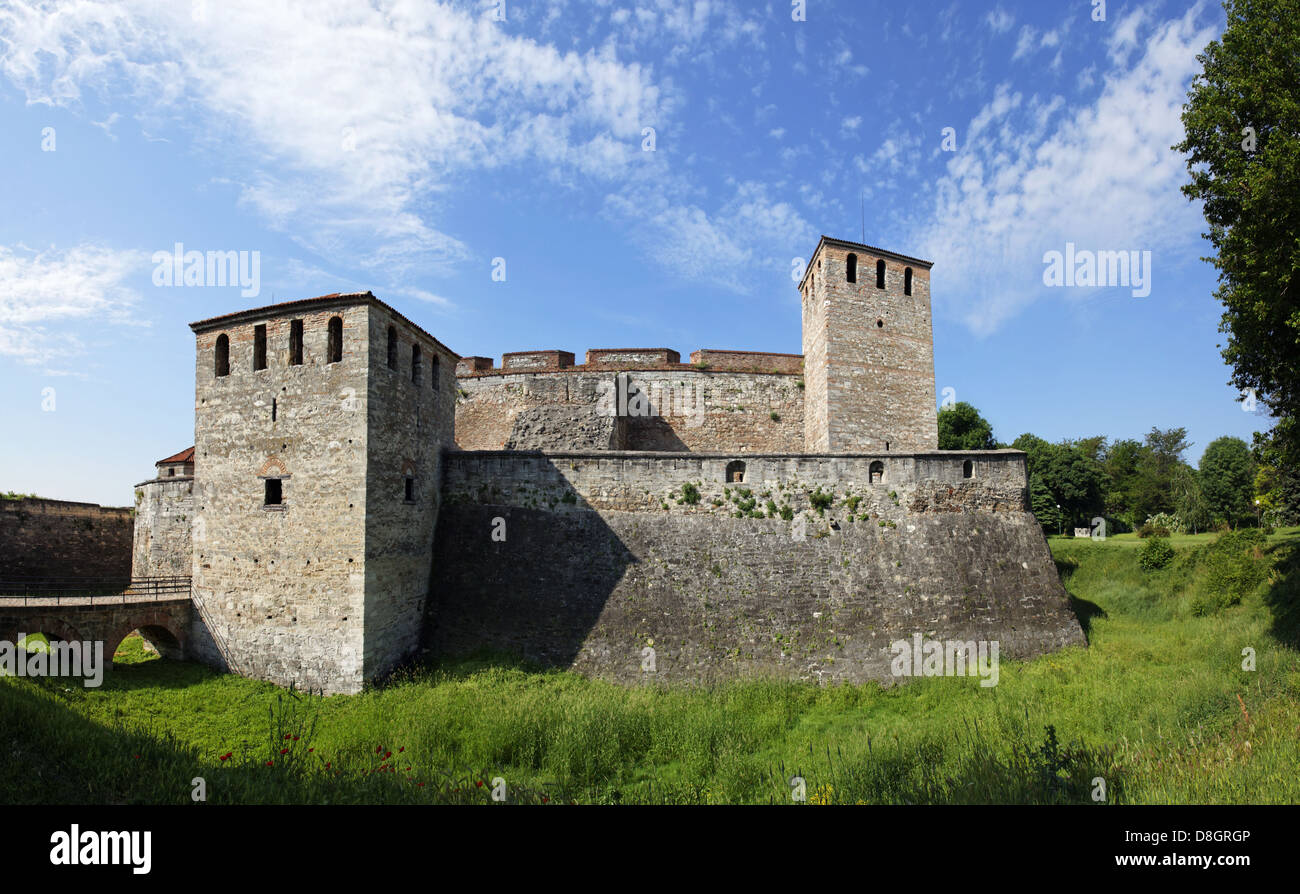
(1158, 706)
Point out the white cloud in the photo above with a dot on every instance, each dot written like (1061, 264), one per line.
(1000, 20)
(1030, 178)
(46, 294)
(347, 121)
(1026, 42)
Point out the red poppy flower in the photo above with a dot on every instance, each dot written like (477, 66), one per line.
(270, 763)
(479, 783)
(284, 750)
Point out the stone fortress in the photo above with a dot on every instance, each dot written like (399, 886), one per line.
(358, 493)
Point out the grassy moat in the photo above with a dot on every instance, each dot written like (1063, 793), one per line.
(1159, 707)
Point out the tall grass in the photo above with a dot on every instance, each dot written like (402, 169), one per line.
(1158, 707)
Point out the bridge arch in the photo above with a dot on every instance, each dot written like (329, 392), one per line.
(159, 630)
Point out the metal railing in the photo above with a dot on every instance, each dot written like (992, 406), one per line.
(63, 590)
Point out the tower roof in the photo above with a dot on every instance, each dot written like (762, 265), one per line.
(335, 298)
(879, 252)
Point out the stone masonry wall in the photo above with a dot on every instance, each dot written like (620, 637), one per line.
(164, 512)
(693, 410)
(818, 596)
(56, 538)
(279, 592)
(877, 348)
(411, 421)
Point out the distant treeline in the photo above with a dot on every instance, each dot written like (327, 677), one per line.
(1130, 482)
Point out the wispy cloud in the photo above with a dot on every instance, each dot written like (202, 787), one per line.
(47, 294)
(1029, 178)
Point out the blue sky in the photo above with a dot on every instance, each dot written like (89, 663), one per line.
(402, 146)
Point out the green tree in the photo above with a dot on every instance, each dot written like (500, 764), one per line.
(1158, 464)
(1043, 505)
(1277, 481)
(1189, 500)
(1228, 480)
(1242, 141)
(1120, 468)
(961, 427)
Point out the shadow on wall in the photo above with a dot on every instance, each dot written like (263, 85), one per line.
(536, 594)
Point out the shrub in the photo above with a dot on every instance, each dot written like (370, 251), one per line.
(820, 500)
(690, 493)
(1150, 530)
(1167, 521)
(1234, 565)
(1155, 554)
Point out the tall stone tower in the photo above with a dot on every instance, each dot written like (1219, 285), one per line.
(319, 426)
(868, 346)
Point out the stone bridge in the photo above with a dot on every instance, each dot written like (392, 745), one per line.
(163, 622)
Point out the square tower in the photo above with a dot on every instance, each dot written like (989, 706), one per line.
(319, 428)
(868, 345)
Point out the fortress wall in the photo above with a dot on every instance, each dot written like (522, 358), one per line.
(693, 410)
(164, 511)
(588, 585)
(58, 538)
(279, 591)
(640, 482)
(409, 422)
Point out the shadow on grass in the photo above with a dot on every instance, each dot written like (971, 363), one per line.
(1283, 594)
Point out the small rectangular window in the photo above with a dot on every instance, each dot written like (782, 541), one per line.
(295, 342)
(410, 489)
(259, 347)
(274, 492)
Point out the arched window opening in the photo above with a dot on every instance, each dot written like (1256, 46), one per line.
(907, 281)
(436, 365)
(415, 364)
(392, 348)
(877, 470)
(851, 268)
(880, 274)
(967, 469)
(735, 472)
(335, 353)
(295, 342)
(222, 367)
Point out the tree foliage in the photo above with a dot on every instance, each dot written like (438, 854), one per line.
(1242, 141)
(961, 427)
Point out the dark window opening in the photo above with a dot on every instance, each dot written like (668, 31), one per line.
(335, 351)
(735, 472)
(392, 348)
(295, 342)
(223, 355)
(171, 473)
(967, 469)
(886, 446)
(877, 470)
(880, 274)
(410, 489)
(274, 492)
(275, 406)
(851, 268)
(415, 364)
(907, 281)
(437, 368)
(259, 347)
(880, 324)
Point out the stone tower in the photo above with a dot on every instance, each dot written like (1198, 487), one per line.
(868, 347)
(319, 427)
